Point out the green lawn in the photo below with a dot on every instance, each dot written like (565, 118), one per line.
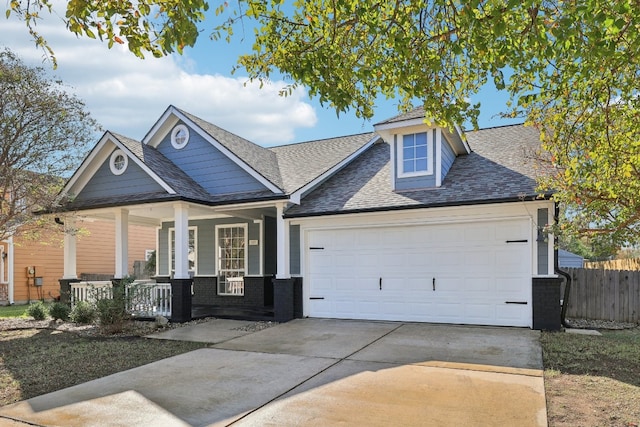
(13, 311)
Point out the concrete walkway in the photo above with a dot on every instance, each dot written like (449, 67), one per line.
(316, 372)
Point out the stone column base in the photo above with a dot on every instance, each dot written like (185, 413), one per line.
(283, 299)
(181, 300)
(546, 303)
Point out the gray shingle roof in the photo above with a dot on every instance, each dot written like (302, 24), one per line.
(301, 163)
(260, 159)
(501, 167)
(416, 113)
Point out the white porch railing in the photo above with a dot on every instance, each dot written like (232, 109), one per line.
(149, 299)
(90, 292)
(144, 299)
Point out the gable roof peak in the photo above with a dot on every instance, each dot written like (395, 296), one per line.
(416, 113)
(259, 159)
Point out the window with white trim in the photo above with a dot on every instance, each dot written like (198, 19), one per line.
(415, 155)
(118, 162)
(231, 243)
(192, 255)
(179, 137)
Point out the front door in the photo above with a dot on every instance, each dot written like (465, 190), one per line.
(231, 242)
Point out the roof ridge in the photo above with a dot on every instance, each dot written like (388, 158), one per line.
(493, 127)
(319, 140)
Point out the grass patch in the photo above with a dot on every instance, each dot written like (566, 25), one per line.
(13, 311)
(39, 361)
(615, 354)
(592, 380)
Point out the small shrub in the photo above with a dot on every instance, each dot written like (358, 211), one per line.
(112, 315)
(60, 311)
(83, 312)
(37, 310)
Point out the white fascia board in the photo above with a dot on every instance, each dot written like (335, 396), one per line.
(151, 139)
(400, 124)
(297, 195)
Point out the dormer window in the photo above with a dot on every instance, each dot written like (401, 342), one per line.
(415, 155)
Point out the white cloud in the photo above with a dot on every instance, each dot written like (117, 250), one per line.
(127, 94)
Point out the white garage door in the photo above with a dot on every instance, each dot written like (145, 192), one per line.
(471, 273)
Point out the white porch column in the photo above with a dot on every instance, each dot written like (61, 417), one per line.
(282, 253)
(122, 243)
(10, 268)
(181, 219)
(70, 232)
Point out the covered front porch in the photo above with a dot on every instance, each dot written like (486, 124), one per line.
(227, 261)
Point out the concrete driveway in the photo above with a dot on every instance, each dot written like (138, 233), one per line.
(316, 372)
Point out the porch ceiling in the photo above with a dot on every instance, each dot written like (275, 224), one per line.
(153, 214)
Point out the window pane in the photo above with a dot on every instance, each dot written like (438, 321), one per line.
(408, 141)
(407, 166)
(421, 151)
(421, 164)
(421, 138)
(231, 263)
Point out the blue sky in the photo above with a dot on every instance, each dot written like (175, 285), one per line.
(127, 95)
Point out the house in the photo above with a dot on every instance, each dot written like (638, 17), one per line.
(409, 222)
(569, 259)
(30, 269)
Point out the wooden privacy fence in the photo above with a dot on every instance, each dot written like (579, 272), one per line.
(604, 295)
(615, 264)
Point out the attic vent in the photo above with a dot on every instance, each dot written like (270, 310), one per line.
(179, 136)
(118, 162)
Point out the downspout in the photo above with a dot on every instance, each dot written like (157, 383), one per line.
(558, 270)
(10, 269)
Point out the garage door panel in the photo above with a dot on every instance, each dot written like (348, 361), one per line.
(478, 260)
(478, 284)
(476, 272)
(478, 233)
(366, 284)
(444, 233)
(366, 238)
(510, 314)
(320, 284)
(512, 230)
(479, 312)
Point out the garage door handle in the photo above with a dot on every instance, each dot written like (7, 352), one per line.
(433, 282)
(380, 283)
(516, 302)
(518, 241)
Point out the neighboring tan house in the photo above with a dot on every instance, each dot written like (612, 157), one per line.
(411, 222)
(30, 270)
